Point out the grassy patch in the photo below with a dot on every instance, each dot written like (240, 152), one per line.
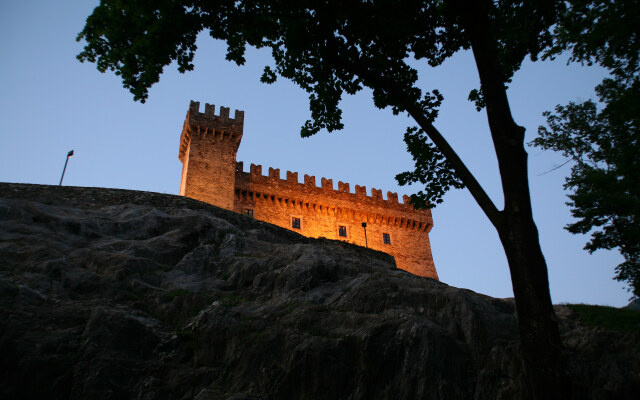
(223, 232)
(248, 337)
(128, 295)
(231, 300)
(187, 335)
(287, 305)
(189, 338)
(191, 309)
(66, 363)
(172, 294)
(215, 386)
(615, 319)
(312, 330)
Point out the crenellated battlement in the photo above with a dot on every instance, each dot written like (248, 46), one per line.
(210, 114)
(208, 125)
(291, 183)
(292, 177)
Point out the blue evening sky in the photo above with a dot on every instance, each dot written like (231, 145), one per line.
(50, 103)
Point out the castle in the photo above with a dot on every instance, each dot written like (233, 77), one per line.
(210, 173)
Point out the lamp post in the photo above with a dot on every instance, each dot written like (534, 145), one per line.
(364, 225)
(69, 154)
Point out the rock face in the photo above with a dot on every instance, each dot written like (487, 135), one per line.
(114, 294)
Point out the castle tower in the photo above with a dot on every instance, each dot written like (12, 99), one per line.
(208, 147)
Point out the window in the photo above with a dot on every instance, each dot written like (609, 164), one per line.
(386, 238)
(342, 231)
(248, 212)
(295, 222)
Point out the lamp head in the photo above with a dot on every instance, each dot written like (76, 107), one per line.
(69, 154)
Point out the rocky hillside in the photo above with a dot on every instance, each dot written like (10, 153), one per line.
(115, 294)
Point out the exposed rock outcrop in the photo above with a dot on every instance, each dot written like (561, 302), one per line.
(109, 294)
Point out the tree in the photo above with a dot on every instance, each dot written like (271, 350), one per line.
(331, 48)
(603, 145)
(606, 175)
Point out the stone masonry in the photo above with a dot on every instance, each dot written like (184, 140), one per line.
(210, 173)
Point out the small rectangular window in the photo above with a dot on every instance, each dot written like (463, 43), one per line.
(342, 231)
(295, 222)
(248, 212)
(386, 238)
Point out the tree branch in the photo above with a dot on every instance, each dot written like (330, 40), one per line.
(556, 167)
(469, 180)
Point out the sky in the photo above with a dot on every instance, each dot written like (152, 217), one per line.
(50, 103)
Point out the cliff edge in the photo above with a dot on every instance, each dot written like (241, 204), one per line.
(113, 294)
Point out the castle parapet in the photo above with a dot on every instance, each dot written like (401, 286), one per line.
(327, 183)
(255, 170)
(210, 114)
(274, 186)
(309, 180)
(292, 177)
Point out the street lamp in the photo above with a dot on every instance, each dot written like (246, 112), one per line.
(364, 225)
(69, 154)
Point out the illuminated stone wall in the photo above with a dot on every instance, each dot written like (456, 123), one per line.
(210, 173)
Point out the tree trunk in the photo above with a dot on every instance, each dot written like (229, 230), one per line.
(539, 336)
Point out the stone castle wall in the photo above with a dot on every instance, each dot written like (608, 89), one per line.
(208, 150)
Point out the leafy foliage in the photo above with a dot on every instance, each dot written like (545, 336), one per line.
(137, 39)
(605, 178)
(600, 32)
(604, 145)
(431, 169)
